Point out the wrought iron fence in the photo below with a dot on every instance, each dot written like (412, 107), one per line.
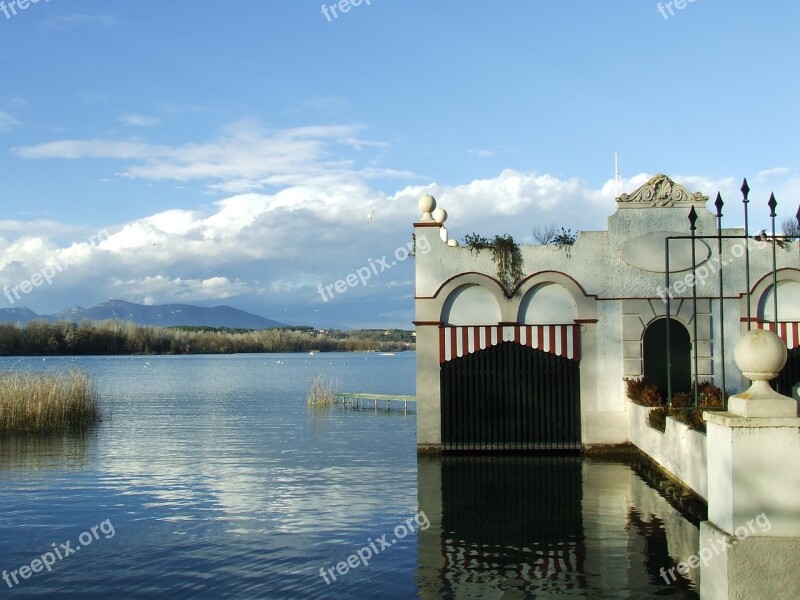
(775, 240)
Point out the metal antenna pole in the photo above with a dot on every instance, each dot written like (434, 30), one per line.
(719, 204)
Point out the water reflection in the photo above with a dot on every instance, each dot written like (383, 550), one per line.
(46, 451)
(549, 526)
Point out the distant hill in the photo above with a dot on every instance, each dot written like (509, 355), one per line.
(165, 315)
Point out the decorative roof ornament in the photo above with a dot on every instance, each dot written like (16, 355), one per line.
(661, 191)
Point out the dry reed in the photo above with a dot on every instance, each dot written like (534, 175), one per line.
(38, 402)
(322, 393)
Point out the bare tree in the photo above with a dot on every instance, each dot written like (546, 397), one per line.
(544, 234)
(790, 228)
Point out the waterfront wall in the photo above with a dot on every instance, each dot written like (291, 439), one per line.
(680, 450)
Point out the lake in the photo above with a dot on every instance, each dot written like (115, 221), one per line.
(213, 479)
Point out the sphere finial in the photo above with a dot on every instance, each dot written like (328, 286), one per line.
(426, 205)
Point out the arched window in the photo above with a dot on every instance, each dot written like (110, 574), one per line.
(654, 352)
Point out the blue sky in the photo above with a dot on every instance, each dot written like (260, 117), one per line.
(233, 151)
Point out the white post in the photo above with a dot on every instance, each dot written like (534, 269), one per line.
(751, 541)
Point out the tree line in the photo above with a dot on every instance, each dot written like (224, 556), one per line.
(41, 338)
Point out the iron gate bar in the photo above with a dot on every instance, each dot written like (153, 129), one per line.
(772, 205)
(745, 192)
(693, 228)
(719, 204)
(669, 316)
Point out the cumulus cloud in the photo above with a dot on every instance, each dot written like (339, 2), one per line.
(293, 216)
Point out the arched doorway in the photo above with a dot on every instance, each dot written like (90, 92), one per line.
(654, 353)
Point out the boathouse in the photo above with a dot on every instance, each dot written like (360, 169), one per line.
(542, 365)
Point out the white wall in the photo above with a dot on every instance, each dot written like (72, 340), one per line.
(680, 450)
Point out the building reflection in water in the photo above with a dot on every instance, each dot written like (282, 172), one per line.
(551, 526)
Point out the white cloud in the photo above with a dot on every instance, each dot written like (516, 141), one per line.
(7, 121)
(245, 157)
(772, 172)
(79, 19)
(486, 152)
(296, 218)
(159, 289)
(137, 120)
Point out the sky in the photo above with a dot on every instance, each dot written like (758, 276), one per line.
(246, 153)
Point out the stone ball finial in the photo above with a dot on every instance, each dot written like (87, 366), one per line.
(440, 215)
(760, 355)
(426, 205)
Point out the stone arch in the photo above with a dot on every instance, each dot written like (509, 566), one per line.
(788, 302)
(470, 304)
(761, 305)
(560, 289)
(547, 304)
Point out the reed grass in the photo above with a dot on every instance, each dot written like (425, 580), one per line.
(322, 393)
(46, 402)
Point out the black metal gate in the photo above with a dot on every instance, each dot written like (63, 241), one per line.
(510, 397)
(790, 375)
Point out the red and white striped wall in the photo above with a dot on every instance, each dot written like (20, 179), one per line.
(788, 332)
(561, 340)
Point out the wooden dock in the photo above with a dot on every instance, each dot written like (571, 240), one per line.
(375, 401)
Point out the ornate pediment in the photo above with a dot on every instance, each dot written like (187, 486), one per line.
(660, 191)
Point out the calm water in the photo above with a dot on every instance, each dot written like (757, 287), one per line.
(213, 479)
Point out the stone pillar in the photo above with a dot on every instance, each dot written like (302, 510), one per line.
(752, 536)
(431, 238)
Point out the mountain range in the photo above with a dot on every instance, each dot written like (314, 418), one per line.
(165, 315)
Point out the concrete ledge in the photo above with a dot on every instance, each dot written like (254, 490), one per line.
(429, 450)
(733, 420)
(605, 449)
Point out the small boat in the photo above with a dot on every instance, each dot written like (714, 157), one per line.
(311, 354)
(387, 354)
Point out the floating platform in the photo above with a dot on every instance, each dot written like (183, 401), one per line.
(376, 401)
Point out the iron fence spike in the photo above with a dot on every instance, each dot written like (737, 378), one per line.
(745, 189)
(772, 204)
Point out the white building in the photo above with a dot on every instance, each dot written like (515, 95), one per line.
(544, 368)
